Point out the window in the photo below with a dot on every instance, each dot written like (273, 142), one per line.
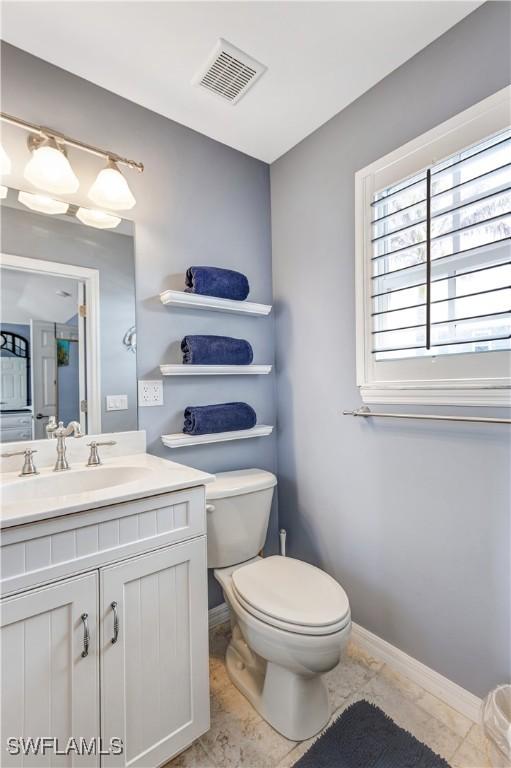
(434, 265)
(14, 343)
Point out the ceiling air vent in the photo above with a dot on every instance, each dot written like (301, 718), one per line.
(229, 72)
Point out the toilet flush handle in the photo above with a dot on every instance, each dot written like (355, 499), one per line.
(210, 507)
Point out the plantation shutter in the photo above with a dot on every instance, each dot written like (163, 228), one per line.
(441, 258)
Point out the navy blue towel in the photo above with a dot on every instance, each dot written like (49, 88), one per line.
(214, 281)
(216, 350)
(224, 417)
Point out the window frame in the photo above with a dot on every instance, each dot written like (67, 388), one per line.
(445, 379)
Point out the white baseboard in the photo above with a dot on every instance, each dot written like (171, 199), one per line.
(218, 615)
(444, 689)
(450, 693)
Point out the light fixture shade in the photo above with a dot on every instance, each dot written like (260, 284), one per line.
(3, 192)
(5, 162)
(49, 169)
(111, 190)
(42, 203)
(98, 219)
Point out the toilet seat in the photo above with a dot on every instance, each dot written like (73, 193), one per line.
(291, 595)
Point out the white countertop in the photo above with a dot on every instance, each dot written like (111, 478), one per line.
(28, 499)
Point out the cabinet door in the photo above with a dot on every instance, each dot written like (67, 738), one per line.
(49, 689)
(154, 678)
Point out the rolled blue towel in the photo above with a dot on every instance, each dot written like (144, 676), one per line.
(214, 281)
(223, 417)
(216, 350)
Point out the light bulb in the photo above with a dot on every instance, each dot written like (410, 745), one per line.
(5, 162)
(111, 190)
(98, 219)
(3, 192)
(42, 203)
(49, 169)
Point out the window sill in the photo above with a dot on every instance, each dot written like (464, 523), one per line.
(497, 397)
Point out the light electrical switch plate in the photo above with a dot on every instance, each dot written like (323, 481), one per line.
(117, 402)
(150, 392)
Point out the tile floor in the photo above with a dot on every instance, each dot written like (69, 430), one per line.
(239, 738)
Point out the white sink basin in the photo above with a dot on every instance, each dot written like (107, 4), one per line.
(70, 483)
(118, 479)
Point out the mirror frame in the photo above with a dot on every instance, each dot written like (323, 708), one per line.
(90, 277)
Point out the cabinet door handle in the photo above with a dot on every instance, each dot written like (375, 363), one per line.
(113, 606)
(85, 618)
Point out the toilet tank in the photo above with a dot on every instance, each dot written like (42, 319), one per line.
(238, 507)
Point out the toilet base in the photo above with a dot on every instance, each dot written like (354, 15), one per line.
(295, 705)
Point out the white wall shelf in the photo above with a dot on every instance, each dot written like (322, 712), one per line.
(182, 440)
(180, 369)
(196, 301)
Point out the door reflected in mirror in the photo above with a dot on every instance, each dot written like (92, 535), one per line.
(42, 360)
(67, 325)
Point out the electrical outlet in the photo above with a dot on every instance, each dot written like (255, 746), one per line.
(150, 392)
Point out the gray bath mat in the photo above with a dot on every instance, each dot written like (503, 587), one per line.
(364, 737)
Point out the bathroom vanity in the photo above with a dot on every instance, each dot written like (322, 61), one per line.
(104, 605)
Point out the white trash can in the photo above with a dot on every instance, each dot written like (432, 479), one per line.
(497, 725)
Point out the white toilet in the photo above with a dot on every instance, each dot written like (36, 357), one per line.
(290, 620)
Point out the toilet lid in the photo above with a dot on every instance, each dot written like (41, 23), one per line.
(291, 592)
(239, 481)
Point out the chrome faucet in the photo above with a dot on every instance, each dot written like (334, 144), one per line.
(73, 428)
(29, 467)
(51, 427)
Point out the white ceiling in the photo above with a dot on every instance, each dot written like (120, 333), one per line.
(33, 296)
(320, 56)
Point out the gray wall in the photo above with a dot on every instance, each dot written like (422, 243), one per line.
(413, 518)
(42, 237)
(198, 202)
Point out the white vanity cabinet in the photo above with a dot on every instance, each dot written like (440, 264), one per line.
(135, 667)
(154, 678)
(48, 687)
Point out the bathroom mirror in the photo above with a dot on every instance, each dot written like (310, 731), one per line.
(67, 323)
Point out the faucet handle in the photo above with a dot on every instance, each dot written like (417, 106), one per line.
(94, 459)
(29, 467)
(103, 442)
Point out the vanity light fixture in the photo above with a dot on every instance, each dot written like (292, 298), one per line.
(98, 219)
(3, 192)
(111, 190)
(42, 203)
(49, 168)
(5, 162)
